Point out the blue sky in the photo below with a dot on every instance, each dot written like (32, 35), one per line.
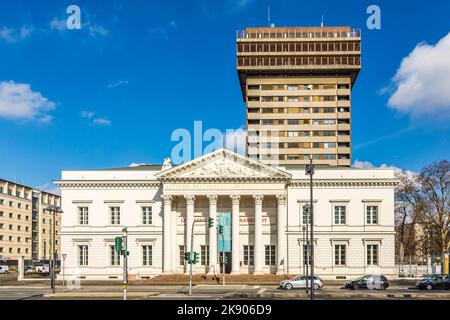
(103, 96)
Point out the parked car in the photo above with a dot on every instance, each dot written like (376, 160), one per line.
(434, 281)
(4, 269)
(300, 282)
(379, 282)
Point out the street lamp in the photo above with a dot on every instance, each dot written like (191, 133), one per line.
(54, 210)
(309, 170)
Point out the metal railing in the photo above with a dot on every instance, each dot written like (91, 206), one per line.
(243, 34)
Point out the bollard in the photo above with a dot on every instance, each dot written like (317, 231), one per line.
(20, 268)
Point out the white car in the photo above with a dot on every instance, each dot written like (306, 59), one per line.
(300, 283)
(4, 269)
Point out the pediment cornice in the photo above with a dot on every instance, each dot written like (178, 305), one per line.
(223, 166)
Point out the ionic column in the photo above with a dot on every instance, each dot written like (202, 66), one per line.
(281, 233)
(235, 243)
(259, 249)
(167, 245)
(213, 232)
(174, 246)
(190, 199)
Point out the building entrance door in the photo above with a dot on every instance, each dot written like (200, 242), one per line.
(227, 263)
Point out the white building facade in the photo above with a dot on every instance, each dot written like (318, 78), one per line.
(260, 207)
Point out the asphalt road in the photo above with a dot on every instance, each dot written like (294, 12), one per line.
(209, 292)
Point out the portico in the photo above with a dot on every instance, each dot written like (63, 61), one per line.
(250, 191)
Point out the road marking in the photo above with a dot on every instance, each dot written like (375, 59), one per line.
(261, 291)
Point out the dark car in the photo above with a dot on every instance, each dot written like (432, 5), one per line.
(434, 281)
(379, 282)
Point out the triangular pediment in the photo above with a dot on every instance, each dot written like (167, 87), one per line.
(223, 164)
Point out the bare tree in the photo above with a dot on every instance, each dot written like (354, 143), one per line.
(407, 212)
(434, 206)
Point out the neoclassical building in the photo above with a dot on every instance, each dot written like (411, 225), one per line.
(259, 206)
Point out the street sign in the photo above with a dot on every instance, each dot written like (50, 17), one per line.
(64, 255)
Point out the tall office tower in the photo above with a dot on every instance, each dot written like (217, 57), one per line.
(297, 85)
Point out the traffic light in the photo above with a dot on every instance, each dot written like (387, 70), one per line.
(195, 258)
(210, 222)
(187, 257)
(220, 229)
(118, 244)
(122, 252)
(306, 208)
(225, 259)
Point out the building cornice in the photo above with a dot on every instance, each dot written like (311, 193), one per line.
(107, 184)
(353, 183)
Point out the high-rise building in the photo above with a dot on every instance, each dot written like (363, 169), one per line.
(25, 227)
(297, 85)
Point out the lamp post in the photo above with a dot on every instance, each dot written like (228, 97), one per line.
(309, 170)
(125, 261)
(53, 209)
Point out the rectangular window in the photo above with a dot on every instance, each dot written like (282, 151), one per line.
(83, 215)
(372, 255)
(114, 256)
(306, 254)
(114, 214)
(270, 255)
(147, 255)
(339, 215)
(181, 250)
(147, 215)
(339, 255)
(306, 216)
(83, 255)
(372, 214)
(204, 255)
(249, 255)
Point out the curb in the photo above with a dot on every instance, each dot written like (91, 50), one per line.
(80, 295)
(338, 295)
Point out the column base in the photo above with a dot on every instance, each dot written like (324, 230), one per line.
(167, 272)
(258, 273)
(280, 272)
(235, 272)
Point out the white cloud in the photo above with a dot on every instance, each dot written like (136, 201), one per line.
(18, 101)
(368, 165)
(117, 84)
(363, 164)
(135, 164)
(50, 188)
(97, 30)
(87, 114)
(58, 24)
(235, 140)
(102, 121)
(12, 35)
(421, 84)
(162, 31)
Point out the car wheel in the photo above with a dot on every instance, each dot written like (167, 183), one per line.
(429, 287)
(355, 287)
(288, 286)
(316, 286)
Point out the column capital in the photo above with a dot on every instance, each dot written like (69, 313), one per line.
(212, 199)
(167, 199)
(281, 199)
(235, 198)
(258, 199)
(189, 199)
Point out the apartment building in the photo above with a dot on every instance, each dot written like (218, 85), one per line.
(25, 228)
(297, 85)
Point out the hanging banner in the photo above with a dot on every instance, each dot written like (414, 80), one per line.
(224, 219)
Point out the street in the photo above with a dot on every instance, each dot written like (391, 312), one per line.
(41, 291)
